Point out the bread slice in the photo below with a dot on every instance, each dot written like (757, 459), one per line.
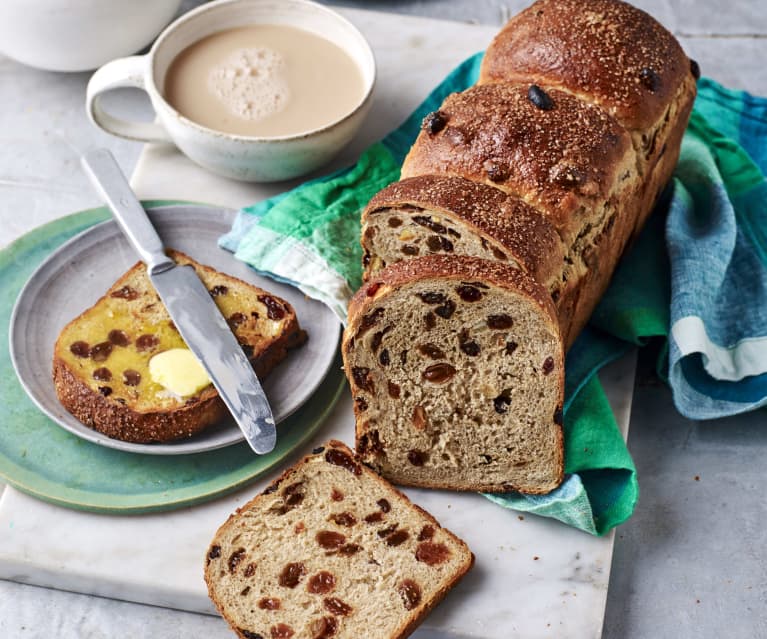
(433, 214)
(101, 358)
(331, 550)
(456, 368)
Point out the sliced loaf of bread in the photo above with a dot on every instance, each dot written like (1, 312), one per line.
(456, 368)
(101, 358)
(437, 214)
(577, 118)
(331, 550)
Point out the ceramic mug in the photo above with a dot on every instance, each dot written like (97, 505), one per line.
(252, 159)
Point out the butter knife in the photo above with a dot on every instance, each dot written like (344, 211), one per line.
(189, 305)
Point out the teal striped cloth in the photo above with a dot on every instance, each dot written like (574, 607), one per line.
(309, 237)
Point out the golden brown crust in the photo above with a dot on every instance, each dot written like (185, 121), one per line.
(98, 408)
(560, 160)
(662, 161)
(607, 52)
(600, 258)
(119, 421)
(507, 222)
(603, 256)
(412, 620)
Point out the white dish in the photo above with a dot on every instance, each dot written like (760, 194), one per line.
(77, 274)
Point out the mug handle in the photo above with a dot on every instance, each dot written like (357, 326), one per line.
(124, 72)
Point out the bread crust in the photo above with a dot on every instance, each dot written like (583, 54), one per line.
(564, 160)
(121, 422)
(415, 617)
(606, 52)
(117, 419)
(662, 159)
(507, 222)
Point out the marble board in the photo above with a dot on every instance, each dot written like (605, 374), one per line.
(533, 577)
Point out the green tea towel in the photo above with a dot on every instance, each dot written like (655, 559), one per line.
(309, 237)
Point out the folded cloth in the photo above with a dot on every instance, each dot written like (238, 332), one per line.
(310, 238)
(705, 288)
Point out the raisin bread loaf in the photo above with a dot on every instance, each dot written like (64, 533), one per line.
(456, 369)
(577, 117)
(331, 550)
(101, 358)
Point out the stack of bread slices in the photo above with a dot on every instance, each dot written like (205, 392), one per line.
(486, 260)
(481, 266)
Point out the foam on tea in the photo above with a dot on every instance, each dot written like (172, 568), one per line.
(264, 80)
(251, 83)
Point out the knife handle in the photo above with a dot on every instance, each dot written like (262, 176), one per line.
(106, 176)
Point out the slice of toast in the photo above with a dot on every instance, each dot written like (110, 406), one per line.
(456, 367)
(330, 549)
(101, 358)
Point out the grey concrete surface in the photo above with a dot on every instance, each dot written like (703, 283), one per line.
(690, 563)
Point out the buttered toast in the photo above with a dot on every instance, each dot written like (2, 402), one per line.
(101, 361)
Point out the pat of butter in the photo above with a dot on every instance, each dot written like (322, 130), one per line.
(178, 371)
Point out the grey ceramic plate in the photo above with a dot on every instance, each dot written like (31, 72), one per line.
(76, 275)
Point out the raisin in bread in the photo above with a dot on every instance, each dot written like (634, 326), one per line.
(331, 550)
(456, 368)
(101, 358)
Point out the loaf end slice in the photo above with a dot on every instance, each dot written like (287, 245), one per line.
(101, 358)
(330, 549)
(456, 368)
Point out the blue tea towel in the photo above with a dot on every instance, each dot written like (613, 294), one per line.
(716, 234)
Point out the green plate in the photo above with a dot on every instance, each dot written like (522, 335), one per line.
(42, 459)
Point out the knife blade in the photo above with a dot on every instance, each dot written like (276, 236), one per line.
(189, 305)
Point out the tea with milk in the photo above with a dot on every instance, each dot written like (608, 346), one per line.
(264, 81)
